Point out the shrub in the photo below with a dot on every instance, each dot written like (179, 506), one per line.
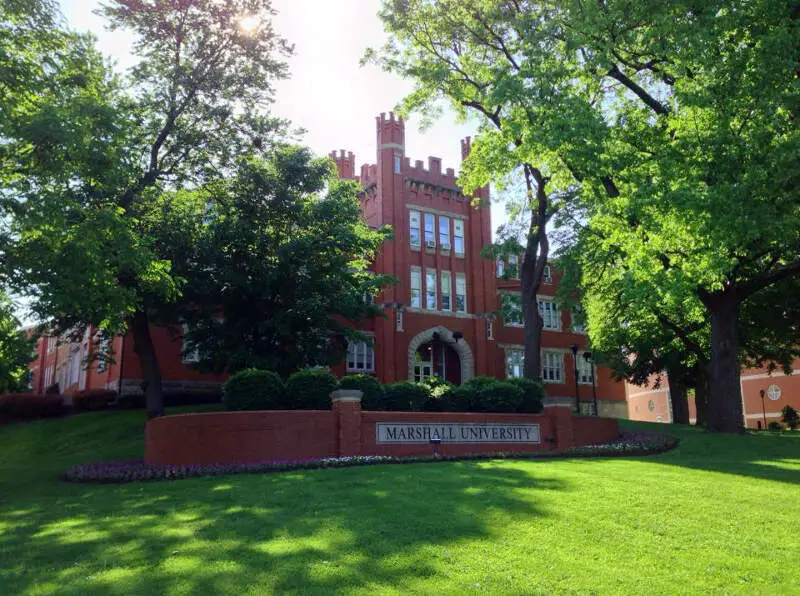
(173, 399)
(93, 399)
(774, 425)
(533, 392)
(310, 389)
(373, 398)
(405, 396)
(439, 391)
(790, 417)
(30, 406)
(130, 402)
(499, 396)
(254, 389)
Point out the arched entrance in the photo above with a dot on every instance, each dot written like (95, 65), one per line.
(435, 352)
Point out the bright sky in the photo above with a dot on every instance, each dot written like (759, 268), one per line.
(328, 94)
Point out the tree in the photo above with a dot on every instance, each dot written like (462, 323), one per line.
(674, 125)
(279, 268)
(16, 351)
(84, 159)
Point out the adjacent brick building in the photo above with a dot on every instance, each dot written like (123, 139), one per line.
(442, 317)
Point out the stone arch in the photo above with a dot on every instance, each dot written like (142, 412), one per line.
(461, 347)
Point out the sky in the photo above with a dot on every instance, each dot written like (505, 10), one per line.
(329, 94)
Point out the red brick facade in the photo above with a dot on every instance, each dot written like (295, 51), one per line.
(441, 321)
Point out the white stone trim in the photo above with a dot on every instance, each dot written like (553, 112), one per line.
(776, 376)
(461, 348)
(347, 395)
(450, 214)
(444, 313)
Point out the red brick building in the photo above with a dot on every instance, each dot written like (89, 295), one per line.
(441, 316)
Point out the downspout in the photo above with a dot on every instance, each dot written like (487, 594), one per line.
(121, 362)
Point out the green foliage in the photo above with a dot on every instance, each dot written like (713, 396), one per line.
(16, 351)
(372, 390)
(310, 389)
(253, 389)
(487, 394)
(93, 399)
(533, 394)
(774, 425)
(790, 416)
(439, 391)
(405, 396)
(28, 406)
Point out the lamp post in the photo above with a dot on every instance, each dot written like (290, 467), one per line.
(763, 408)
(574, 349)
(588, 357)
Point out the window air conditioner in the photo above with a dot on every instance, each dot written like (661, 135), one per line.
(446, 246)
(430, 244)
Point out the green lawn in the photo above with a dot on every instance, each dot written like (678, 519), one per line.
(718, 514)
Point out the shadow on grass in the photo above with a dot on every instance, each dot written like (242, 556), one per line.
(766, 456)
(307, 531)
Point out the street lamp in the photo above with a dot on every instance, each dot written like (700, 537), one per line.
(574, 349)
(763, 408)
(588, 357)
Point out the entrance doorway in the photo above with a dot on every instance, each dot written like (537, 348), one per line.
(436, 358)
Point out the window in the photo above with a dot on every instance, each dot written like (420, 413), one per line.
(102, 354)
(458, 236)
(413, 228)
(577, 325)
(444, 232)
(501, 267)
(430, 289)
(396, 164)
(513, 266)
(360, 357)
(552, 367)
(585, 369)
(551, 316)
(489, 329)
(191, 353)
(447, 291)
(547, 275)
(515, 361)
(430, 236)
(512, 309)
(416, 288)
(399, 319)
(461, 293)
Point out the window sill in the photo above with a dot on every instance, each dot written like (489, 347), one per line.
(553, 382)
(416, 247)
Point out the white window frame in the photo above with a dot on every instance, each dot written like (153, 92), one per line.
(414, 223)
(396, 164)
(446, 283)
(552, 366)
(458, 237)
(501, 268)
(586, 370)
(186, 356)
(431, 291)
(515, 362)
(574, 325)
(415, 287)
(512, 303)
(102, 354)
(547, 275)
(360, 357)
(461, 291)
(550, 313)
(429, 232)
(444, 234)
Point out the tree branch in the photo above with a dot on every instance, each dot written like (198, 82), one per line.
(615, 73)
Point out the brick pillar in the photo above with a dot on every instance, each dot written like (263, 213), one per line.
(347, 409)
(562, 417)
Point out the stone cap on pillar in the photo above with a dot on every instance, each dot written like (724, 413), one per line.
(347, 396)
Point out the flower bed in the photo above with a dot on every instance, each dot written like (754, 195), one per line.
(629, 443)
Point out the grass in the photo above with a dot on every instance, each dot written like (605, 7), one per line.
(719, 514)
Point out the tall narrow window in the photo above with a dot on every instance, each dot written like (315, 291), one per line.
(547, 275)
(513, 266)
(430, 289)
(515, 361)
(444, 232)
(585, 369)
(458, 236)
(413, 228)
(396, 164)
(551, 316)
(416, 288)
(552, 367)
(430, 236)
(191, 353)
(360, 357)
(501, 268)
(102, 354)
(512, 309)
(461, 293)
(578, 325)
(447, 291)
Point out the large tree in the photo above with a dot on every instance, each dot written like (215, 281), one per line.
(675, 123)
(85, 153)
(16, 350)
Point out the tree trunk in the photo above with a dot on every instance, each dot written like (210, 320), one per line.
(151, 371)
(701, 393)
(725, 395)
(533, 322)
(677, 397)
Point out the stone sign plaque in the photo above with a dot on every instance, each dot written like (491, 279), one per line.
(475, 432)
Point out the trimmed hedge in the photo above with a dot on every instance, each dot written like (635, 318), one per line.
(439, 393)
(310, 389)
(487, 394)
(405, 396)
(90, 400)
(534, 394)
(30, 406)
(253, 389)
(373, 398)
(173, 399)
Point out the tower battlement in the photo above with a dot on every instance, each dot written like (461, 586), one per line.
(345, 163)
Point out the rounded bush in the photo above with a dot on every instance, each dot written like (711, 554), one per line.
(373, 398)
(253, 389)
(310, 389)
(489, 395)
(533, 394)
(405, 396)
(439, 391)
